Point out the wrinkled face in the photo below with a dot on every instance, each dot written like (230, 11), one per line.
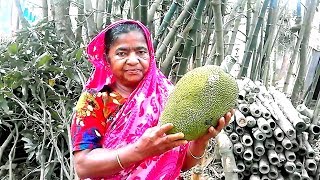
(129, 58)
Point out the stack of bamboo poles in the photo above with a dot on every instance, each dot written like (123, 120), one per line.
(271, 139)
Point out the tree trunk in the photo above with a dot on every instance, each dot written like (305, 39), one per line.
(45, 9)
(80, 22)
(62, 20)
(23, 20)
(117, 10)
(108, 10)
(135, 10)
(307, 22)
(52, 10)
(89, 14)
(100, 13)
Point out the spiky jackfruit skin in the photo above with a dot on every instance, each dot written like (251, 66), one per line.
(199, 99)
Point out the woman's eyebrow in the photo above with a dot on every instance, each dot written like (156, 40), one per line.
(122, 49)
(141, 48)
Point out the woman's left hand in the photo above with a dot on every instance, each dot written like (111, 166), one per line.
(214, 131)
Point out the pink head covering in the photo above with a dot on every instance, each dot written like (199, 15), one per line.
(140, 112)
(102, 74)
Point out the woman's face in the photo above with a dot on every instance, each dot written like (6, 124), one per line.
(129, 58)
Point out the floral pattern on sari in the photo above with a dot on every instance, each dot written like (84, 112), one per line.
(94, 113)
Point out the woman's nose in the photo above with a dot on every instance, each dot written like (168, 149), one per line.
(133, 58)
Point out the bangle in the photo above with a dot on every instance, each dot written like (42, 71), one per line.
(197, 157)
(119, 162)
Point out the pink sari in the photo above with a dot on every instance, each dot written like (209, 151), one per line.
(140, 112)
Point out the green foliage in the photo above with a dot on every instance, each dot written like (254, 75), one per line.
(41, 78)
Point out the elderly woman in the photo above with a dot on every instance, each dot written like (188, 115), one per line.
(115, 132)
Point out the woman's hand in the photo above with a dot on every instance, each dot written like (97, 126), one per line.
(197, 147)
(154, 141)
(214, 131)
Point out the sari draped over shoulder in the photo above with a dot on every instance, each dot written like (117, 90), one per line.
(140, 112)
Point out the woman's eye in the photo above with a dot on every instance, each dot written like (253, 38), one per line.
(121, 54)
(142, 52)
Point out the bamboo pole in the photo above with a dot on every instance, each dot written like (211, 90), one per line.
(296, 97)
(239, 7)
(174, 28)
(278, 154)
(283, 122)
(256, 53)
(228, 63)
(240, 119)
(289, 110)
(269, 35)
(302, 108)
(206, 39)
(294, 57)
(253, 40)
(216, 4)
(258, 147)
(90, 23)
(101, 6)
(316, 114)
(150, 13)
(188, 50)
(198, 50)
(273, 173)
(227, 158)
(248, 17)
(78, 31)
(134, 9)
(144, 16)
(270, 143)
(315, 81)
(45, 11)
(264, 167)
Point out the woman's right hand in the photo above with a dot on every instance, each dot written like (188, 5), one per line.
(155, 141)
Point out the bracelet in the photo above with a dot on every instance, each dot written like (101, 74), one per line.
(119, 162)
(197, 157)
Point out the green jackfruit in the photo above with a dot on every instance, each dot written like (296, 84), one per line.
(199, 99)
